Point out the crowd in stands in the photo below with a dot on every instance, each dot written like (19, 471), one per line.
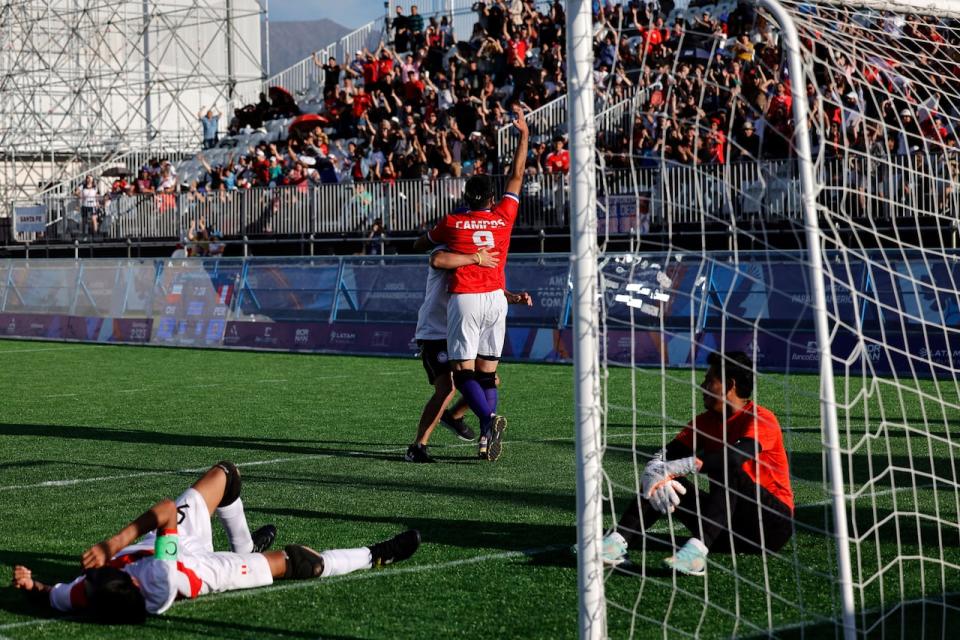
(427, 102)
(716, 90)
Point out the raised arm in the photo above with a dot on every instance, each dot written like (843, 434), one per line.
(162, 515)
(515, 179)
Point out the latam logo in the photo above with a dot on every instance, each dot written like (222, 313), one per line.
(301, 337)
(342, 336)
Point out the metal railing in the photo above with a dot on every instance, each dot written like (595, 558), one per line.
(550, 120)
(679, 194)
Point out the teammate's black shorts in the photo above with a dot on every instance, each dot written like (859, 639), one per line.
(433, 353)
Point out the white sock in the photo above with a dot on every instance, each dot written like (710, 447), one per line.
(337, 562)
(235, 522)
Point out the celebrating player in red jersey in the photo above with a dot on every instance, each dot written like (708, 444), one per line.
(739, 446)
(477, 310)
(167, 554)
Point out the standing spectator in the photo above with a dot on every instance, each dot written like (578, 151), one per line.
(401, 31)
(89, 205)
(415, 23)
(211, 126)
(558, 160)
(376, 239)
(331, 72)
(144, 183)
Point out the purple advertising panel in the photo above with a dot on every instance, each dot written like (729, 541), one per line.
(660, 310)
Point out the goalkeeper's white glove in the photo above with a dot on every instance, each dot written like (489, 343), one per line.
(658, 482)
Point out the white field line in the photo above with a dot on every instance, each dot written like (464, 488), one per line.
(386, 573)
(208, 385)
(875, 494)
(253, 463)
(4, 352)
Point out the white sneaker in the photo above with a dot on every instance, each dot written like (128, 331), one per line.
(691, 559)
(614, 550)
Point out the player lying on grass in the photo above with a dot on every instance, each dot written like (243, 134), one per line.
(738, 445)
(167, 553)
(477, 310)
(431, 336)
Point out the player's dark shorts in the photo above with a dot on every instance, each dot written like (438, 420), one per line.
(433, 353)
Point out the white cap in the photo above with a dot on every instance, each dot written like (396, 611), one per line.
(308, 160)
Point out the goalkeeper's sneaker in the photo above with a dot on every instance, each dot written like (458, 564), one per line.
(495, 444)
(399, 547)
(691, 559)
(614, 550)
(458, 426)
(483, 447)
(263, 538)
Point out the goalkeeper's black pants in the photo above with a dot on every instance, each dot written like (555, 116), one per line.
(727, 517)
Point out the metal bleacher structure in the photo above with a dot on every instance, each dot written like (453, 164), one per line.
(657, 192)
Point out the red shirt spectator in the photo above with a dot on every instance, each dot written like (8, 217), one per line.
(385, 65)
(371, 72)
(516, 52)
(361, 102)
(558, 160)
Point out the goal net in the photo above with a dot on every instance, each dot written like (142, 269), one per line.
(706, 248)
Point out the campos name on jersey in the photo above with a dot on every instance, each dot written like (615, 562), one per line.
(479, 224)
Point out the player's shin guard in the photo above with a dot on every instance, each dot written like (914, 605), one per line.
(466, 383)
(230, 511)
(488, 382)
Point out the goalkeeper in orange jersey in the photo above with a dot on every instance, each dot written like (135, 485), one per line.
(738, 445)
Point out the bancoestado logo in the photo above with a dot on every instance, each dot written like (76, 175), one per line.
(812, 353)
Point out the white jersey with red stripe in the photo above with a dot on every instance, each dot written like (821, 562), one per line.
(198, 569)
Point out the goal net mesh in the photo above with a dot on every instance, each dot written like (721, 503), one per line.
(704, 250)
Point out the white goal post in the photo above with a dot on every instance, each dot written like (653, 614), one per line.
(861, 176)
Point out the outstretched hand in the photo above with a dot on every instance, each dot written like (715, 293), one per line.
(520, 122)
(96, 556)
(488, 258)
(22, 578)
(523, 297)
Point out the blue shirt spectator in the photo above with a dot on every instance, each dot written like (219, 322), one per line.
(211, 126)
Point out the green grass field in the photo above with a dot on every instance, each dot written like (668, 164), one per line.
(92, 435)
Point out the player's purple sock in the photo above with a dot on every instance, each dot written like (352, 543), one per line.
(491, 395)
(467, 385)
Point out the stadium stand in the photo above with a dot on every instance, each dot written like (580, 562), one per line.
(428, 107)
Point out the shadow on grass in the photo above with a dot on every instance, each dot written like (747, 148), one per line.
(423, 490)
(470, 534)
(220, 627)
(134, 436)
